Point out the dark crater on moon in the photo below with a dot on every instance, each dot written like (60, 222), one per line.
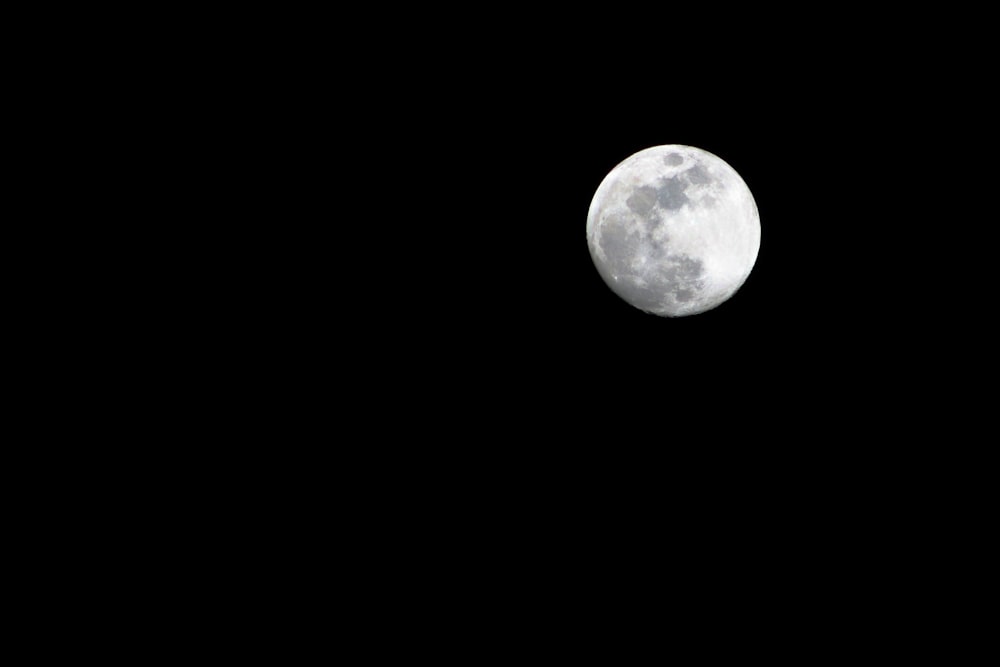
(697, 175)
(673, 160)
(642, 200)
(655, 250)
(665, 275)
(620, 250)
(620, 245)
(684, 268)
(671, 195)
(683, 276)
(683, 294)
(680, 278)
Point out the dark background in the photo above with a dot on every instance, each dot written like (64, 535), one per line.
(342, 274)
(390, 232)
(516, 296)
(375, 319)
(427, 257)
(820, 400)
(853, 135)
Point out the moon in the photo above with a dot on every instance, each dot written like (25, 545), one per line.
(673, 230)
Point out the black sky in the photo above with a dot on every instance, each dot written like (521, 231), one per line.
(836, 138)
(480, 153)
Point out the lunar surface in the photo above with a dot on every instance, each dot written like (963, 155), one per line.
(673, 230)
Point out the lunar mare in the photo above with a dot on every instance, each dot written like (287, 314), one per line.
(673, 230)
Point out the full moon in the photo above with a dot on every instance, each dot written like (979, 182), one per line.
(673, 230)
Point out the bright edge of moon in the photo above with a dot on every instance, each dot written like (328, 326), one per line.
(673, 230)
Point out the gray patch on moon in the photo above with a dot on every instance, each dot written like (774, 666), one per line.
(642, 200)
(697, 175)
(646, 297)
(652, 222)
(683, 276)
(620, 245)
(670, 276)
(683, 295)
(686, 268)
(672, 160)
(671, 195)
(656, 250)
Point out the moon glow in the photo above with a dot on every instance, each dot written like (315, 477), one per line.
(673, 230)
